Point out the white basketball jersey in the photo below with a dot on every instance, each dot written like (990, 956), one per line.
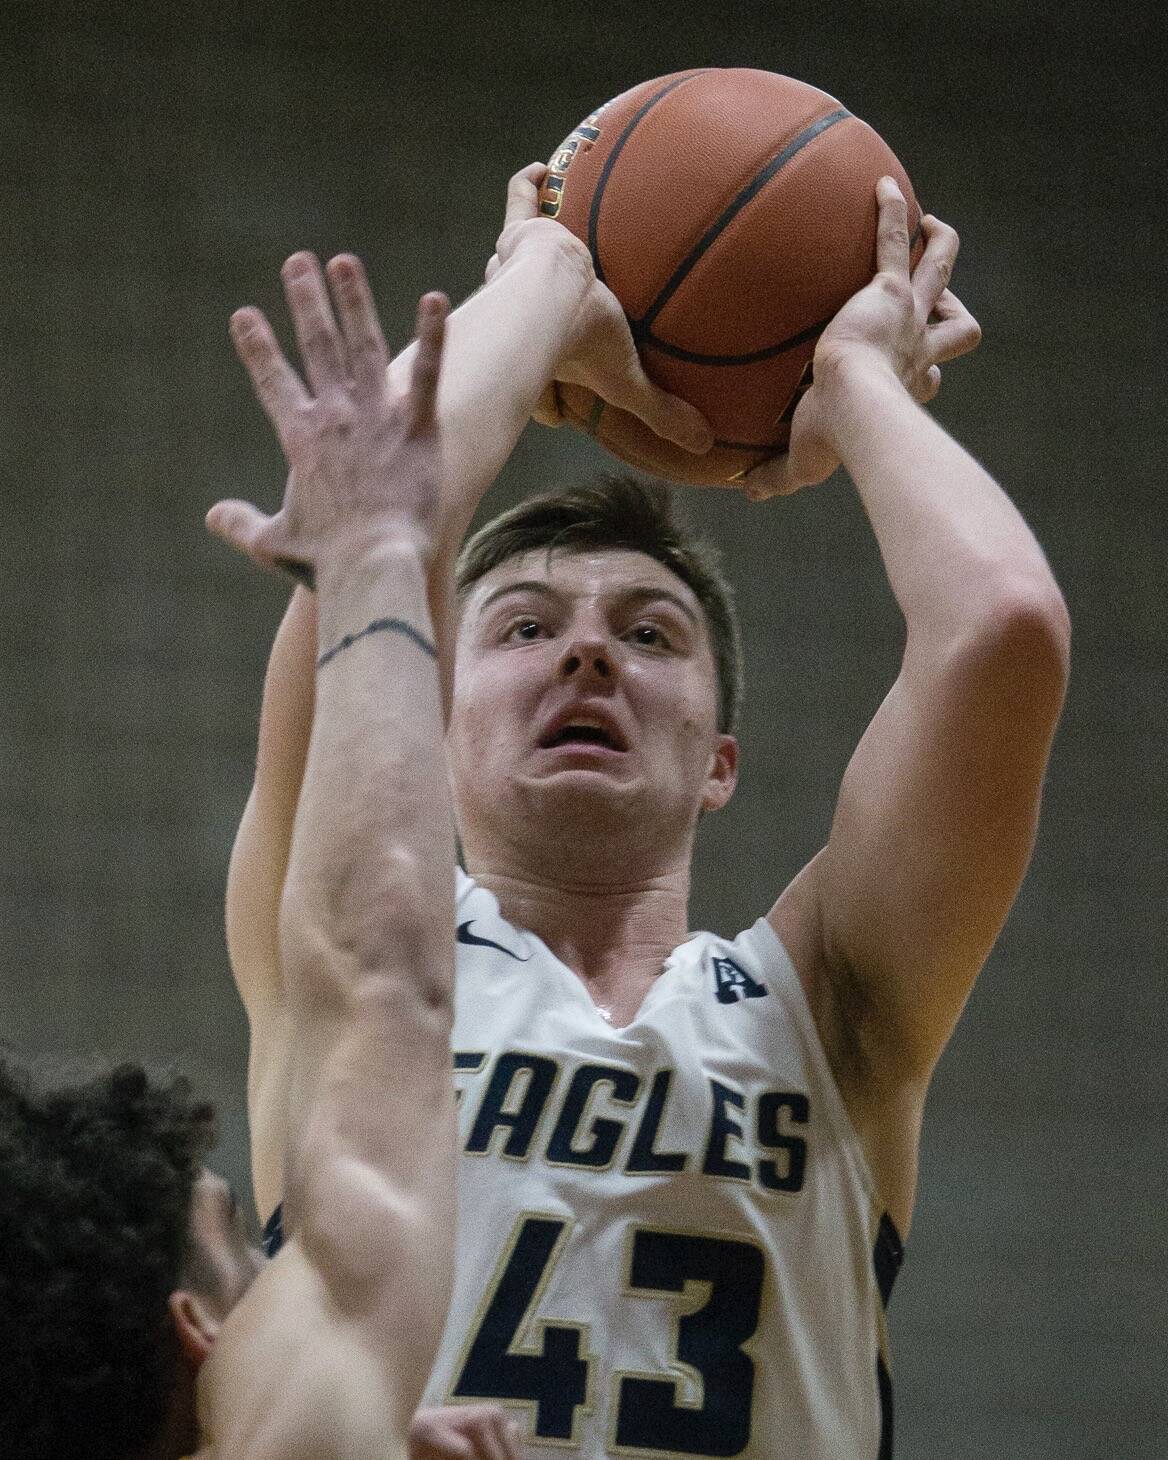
(668, 1239)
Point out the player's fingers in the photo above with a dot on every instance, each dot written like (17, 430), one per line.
(892, 241)
(321, 347)
(442, 1445)
(932, 274)
(523, 193)
(277, 386)
(549, 409)
(364, 341)
(771, 478)
(929, 386)
(666, 415)
(511, 1436)
(953, 331)
(241, 526)
(673, 419)
(431, 332)
(489, 1443)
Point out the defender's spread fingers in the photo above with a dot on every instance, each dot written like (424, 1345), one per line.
(320, 343)
(277, 386)
(431, 331)
(364, 341)
(239, 524)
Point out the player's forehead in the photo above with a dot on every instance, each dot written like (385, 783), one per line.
(605, 575)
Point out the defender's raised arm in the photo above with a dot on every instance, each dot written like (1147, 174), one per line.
(328, 1353)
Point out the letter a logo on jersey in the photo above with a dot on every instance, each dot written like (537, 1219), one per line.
(732, 983)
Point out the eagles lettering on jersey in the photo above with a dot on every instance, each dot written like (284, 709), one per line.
(753, 1140)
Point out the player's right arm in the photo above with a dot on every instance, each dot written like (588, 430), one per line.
(541, 314)
(328, 1353)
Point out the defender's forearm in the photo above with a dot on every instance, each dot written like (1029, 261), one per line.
(372, 863)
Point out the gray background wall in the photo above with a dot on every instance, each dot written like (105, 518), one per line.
(158, 163)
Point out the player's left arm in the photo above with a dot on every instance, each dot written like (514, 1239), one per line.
(937, 812)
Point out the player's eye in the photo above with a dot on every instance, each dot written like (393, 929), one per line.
(650, 635)
(525, 629)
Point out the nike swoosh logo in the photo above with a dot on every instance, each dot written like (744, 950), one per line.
(464, 935)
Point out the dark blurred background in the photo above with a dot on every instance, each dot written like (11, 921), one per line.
(158, 163)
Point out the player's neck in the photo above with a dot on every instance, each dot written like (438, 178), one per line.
(609, 933)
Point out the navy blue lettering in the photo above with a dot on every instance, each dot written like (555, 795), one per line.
(492, 1113)
(604, 1133)
(643, 1157)
(772, 1137)
(722, 1128)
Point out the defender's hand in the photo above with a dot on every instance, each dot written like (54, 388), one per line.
(599, 352)
(364, 456)
(905, 323)
(464, 1432)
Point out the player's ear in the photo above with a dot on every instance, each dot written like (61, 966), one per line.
(195, 1326)
(723, 774)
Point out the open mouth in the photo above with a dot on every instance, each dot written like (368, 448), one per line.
(582, 734)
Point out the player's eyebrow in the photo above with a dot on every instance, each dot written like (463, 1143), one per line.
(631, 596)
(648, 594)
(528, 585)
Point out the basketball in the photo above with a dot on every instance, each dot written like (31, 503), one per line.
(732, 212)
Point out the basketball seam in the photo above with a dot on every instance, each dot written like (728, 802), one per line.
(692, 357)
(745, 194)
(610, 160)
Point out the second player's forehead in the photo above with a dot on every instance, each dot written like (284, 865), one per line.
(608, 576)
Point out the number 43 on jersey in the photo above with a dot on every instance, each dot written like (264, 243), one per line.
(512, 1359)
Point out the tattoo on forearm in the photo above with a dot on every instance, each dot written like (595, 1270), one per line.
(380, 625)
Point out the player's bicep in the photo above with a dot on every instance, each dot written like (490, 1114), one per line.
(255, 884)
(933, 832)
(259, 859)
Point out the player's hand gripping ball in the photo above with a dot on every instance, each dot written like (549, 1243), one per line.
(732, 213)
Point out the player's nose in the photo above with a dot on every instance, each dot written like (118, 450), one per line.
(585, 657)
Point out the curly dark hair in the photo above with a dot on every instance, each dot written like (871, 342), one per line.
(96, 1184)
(621, 512)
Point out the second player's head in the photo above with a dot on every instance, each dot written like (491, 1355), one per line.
(598, 674)
(120, 1256)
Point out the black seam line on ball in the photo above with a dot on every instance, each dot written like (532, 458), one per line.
(610, 161)
(692, 357)
(752, 188)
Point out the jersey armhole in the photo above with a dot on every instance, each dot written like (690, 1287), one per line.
(772, 957)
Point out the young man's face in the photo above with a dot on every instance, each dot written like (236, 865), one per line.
(585, 690)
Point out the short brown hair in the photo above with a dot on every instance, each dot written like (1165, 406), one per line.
(620, 512)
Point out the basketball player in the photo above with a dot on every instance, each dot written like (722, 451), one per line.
(689, 1162)
(136, 1320)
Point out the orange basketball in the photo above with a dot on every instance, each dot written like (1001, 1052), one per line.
(732, 213)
